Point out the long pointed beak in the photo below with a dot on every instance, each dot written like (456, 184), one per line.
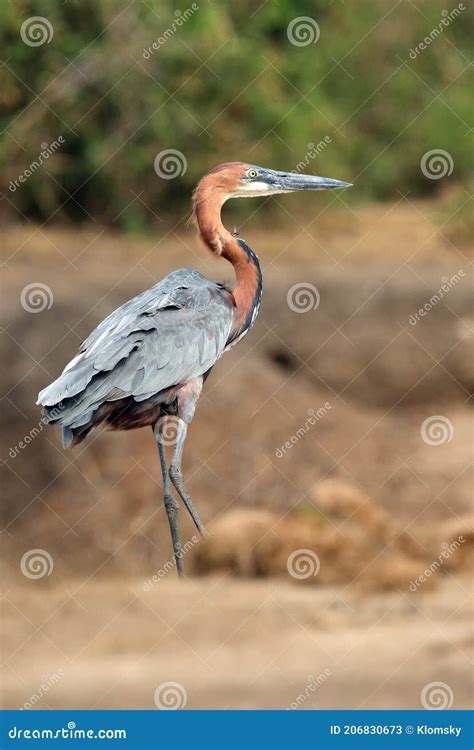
(290, 181)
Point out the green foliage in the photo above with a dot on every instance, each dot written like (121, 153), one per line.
(225, 84)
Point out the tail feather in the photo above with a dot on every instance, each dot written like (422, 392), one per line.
(74, 417)
(69, 384)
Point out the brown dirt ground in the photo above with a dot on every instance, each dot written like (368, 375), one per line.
(361, 489)
(233, 644)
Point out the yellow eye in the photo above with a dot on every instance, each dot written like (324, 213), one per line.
(251, 173)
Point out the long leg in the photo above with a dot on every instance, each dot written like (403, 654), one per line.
(171, 506)
(176, 474)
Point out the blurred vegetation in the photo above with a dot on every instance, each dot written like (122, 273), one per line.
(226, 84)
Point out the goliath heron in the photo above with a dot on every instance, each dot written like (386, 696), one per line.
(146, 363)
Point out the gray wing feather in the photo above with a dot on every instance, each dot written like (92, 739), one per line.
(172, 332)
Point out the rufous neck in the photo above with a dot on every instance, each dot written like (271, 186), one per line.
(207, 207)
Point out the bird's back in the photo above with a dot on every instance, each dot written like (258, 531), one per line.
(174, 331)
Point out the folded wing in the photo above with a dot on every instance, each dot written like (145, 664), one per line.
(171, 333)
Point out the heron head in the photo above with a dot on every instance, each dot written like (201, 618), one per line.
(239, 180)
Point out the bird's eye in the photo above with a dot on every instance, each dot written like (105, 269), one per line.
(251, 173)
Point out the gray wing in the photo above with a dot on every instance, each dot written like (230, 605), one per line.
(172, 332)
